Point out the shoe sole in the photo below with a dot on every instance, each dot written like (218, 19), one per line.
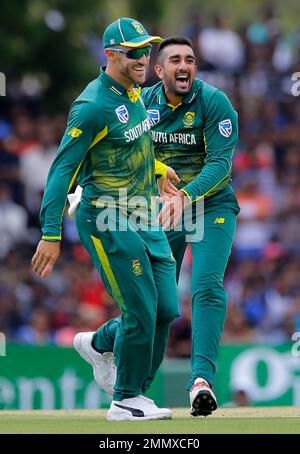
(134, 418)
(204, 404)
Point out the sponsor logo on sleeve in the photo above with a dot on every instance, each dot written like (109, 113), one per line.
(74, 132)
(122, 114)
(225, 127)
(219, 221)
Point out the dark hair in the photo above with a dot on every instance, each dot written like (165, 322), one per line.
(181, 40)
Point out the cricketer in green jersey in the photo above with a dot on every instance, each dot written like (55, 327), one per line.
(107, 146)
(195, 130)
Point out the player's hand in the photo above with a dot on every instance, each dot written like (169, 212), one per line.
(47, 252)
(172, 210)
(165, 186)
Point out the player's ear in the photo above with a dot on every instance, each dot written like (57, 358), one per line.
(110, 55)
(159, 71)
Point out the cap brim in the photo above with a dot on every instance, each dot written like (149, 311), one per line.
(140, 41)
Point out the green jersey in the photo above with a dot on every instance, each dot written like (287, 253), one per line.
(107, 146)
(197, 138)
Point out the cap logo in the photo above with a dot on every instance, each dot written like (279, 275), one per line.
(112, 41)
(138, 27)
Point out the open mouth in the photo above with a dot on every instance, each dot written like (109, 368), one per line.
(182, 81)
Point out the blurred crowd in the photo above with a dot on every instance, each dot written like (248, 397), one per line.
(254, 66)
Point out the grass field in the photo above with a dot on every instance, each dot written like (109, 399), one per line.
(271, 420)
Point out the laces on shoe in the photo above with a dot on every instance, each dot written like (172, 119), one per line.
(200, 383)
(108, 357)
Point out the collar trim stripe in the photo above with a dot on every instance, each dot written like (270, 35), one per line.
(193, 97)
(112, 88)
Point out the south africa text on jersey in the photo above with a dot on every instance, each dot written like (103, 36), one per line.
(177, 137)
(137, 131)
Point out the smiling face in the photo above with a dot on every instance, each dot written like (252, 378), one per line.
(177, 69)
(124, 70)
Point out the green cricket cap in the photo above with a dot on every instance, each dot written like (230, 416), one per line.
(128, 32)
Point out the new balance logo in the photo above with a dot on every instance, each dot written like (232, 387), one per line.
(74, 132)
(134, 411)
(219, 221)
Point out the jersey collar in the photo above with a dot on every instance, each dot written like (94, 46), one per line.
(161, 98)
(115, 87)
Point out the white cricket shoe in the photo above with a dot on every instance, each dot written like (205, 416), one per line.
(138, 408)
(203, 401)
(102, 363)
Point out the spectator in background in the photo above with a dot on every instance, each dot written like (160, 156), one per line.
(38, 331)
(9, 168)
(13, 222)
(24, 128)
(222, 47)
(192, 29)
(180, 335)
(236, 327)
(254, 225)
(37, 161)
(240, 397)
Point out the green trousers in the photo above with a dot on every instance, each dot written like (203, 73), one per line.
(139, 272)
(210, 254)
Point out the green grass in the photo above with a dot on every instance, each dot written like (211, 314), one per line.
(279, 420)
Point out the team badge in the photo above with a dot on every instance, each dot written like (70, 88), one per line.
(122, 114)
(189, 119)
(225, 128)
(138, 27)
(154, 116)
(137, 267)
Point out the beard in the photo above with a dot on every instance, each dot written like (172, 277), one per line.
(176, 89)
(129, 74)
